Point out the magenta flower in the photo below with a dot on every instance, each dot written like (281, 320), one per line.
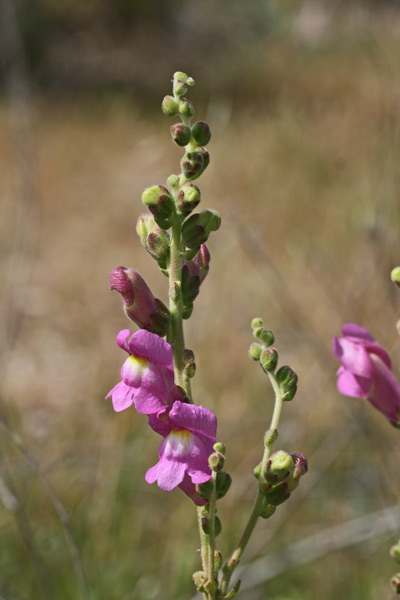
(189, 433)
(147, 374)
(366, 371)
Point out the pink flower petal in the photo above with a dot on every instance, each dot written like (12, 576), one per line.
(152, 347)
(350, 385)
(356, 333)
(385, 391)
(353, 357)
(122, 339)
(122, 396)
(197, 419)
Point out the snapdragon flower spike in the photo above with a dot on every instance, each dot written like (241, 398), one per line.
(140, 305)
(147, 374)
(189, 433)
(366, 371)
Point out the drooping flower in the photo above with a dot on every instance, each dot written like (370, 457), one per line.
(189, 433)
(366, 371)
(147, 374)
(140, 305)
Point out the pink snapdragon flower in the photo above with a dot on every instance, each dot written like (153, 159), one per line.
(366, 371)
(147, 374)
(189, 433)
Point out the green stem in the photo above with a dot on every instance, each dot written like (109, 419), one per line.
(176, 336)
(211, 538)
(255, 512)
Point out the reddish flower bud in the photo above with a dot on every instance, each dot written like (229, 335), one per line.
(139, 303)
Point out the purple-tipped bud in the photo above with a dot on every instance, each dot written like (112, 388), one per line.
(139, 303)
(255, 351)
(300, 463)
(287, 380)
(269, 359)
(201, 133)
(200, 264)
(216, 461)
(197, 228)
(280, 464)
(395, 583)
(192, 164)
(186, 108)
(160, 203)
(206, 157)
(170, 106)
(188, 198)
(181, 134)
(155, 240)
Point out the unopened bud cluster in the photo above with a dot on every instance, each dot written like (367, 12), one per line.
(395, 554)
(278, 479)
(262, 352)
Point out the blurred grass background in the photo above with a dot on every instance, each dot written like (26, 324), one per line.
(303, 102)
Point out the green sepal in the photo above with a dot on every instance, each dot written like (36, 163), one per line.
(287, 378)
(266, 510)
(187, 311)
(192, 164)
(188, 198)
(217, 526)
(205, 489)
(197, 228)
(217, 560)
(199, 579)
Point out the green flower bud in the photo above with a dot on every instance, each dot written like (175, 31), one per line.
(223, 483)
(206, 157)
(188, 198)
(217, 526)
(169, 106)
(206, 525)
(192, 164)
(395, 552)
(180, 76)
(270, 437)
(155, 240)
(256, 322)
(201, 133)
(197, 228)
(255, 351)
(216, 461)
(269, 359)
(287, 380)
(181, 134)
(160, 203)
(218, 447)
(217, 560)
(199, 579)
(280, 464)
(266, 510)
(257, 471)
(173, 181)
(267, 337)
(190, 366)
(395, 583)
(395, 276)
(186, 108)
(232, 593)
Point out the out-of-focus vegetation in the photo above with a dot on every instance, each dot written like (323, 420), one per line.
(303, 103)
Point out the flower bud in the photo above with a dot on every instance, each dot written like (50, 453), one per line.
(223, 483)
(201, 133)
(189, 369)
(173, 181)
(155, 240)
(395, 276)
(192, 164)
(216, 461)
(186, 108)
(255, 351)
(269, 359)
(395, 552)
(181, 134)
(217, 560)
(266, 510)
(219, 447)
(300, 464)
(160, 203)
(287, 380)
(270, 437)
(139, 303)
(169, 106)
(256, 322)
(206, 157)
(199, 579)
(188, 198)
(197, 228)
(267, 337)
(395, 583)
(280, 464)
